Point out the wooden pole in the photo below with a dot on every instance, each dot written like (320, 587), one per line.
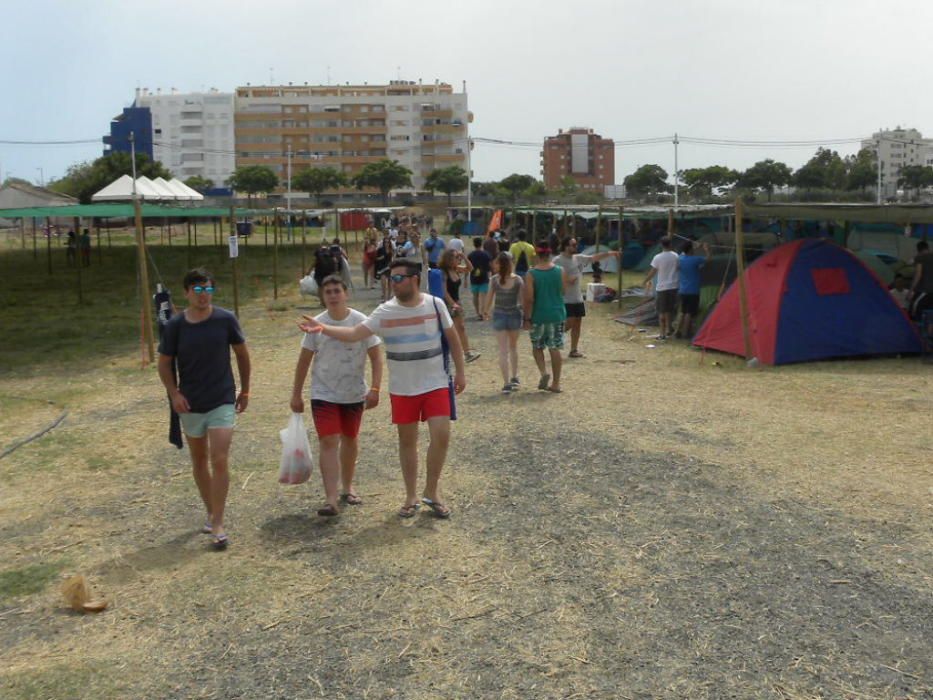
(236, 288)
(188, 249)
(563, 225)
(740, 269)
(144, 279)
(599, 223)
(77, 224)
(100, 253)
(337, 224)
(275, 258)
(48, 242)
(304, 227)
(35, 245)
(265, 232)
(22, 231)
(670, 223)
(619, 261)
(109, 241)
(534, 230)
(194, 224)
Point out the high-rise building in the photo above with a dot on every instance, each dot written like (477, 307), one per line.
(897, 148)
(190, 133)
(579, 153)
(422, 126)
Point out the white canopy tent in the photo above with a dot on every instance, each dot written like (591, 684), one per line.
(158, 190)
(184, 191)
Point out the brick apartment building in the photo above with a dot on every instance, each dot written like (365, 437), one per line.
(585, 156)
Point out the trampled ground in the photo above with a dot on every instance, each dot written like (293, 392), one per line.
(672, 526)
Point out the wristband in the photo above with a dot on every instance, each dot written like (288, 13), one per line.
(373, 388)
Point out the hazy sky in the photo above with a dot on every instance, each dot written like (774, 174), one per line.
(785, 70)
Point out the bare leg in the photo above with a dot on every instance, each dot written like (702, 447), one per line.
(503, 340)
(408, 458)
(556, 362)
(197, 446)
(349, 449)
(461, 331)
(574, 325)
(476, 303)
(330, 470)
(439, 430)
(513, 351)
(539, 360)
(220, 439)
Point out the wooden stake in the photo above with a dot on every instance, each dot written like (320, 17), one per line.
(78, 256)
(144, 280)
(48, 242)
(236, 288)
(304, 226)
(275, 257)
(35, 245)
(619, 260)
(740, 269)
(599, 222)
(670, 223)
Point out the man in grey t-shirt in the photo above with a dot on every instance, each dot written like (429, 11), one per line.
(573, 264)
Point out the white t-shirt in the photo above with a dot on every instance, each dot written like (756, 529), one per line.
(573, 266)
(666, 263)
(413, 344)
(455, 244)
(338, 372)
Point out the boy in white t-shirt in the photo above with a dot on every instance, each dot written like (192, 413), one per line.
(665, 265)
(339, 394)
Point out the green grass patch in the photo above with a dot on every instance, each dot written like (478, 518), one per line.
(27, 580)
(60, 681)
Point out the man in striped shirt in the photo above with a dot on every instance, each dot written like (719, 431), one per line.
(412, 324)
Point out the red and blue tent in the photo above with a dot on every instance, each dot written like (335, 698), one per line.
(810, 300)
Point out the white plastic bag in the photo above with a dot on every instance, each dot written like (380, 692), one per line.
(308, 285)
(295, 466)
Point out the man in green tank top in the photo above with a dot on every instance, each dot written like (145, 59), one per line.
(545, 314)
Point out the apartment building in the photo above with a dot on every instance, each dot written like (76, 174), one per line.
(422, 126)
(190, 133)
(898, 148)
(581, 154)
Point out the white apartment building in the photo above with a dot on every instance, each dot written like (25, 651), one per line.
(192, 133)
(422, 126)
(897, 148)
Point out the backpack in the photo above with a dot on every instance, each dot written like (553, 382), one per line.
(325, 263)
(521, 265)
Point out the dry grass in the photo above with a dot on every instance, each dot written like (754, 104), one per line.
(667, 527)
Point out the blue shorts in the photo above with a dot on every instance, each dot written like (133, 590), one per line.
(507, 320)
(479, 288)
(197, 424)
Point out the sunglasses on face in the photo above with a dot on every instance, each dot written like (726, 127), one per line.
(400, 278)
(198, 289)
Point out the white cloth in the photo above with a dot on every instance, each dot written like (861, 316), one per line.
(413, 344)
(573, 266)
(338, 372)
(455, 244)
(666, 263)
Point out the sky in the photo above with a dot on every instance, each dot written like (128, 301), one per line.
(753, 70)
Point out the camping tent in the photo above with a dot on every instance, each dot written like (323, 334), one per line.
(808, 300)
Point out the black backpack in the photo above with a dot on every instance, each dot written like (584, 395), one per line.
(521, 265)
(325, 264)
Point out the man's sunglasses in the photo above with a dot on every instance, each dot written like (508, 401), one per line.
(401, 278)
(198, 289)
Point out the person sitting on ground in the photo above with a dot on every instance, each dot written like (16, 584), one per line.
(479, 277)
(454, 266)
(339, 394)
(689, 266)
(664, 266)
(545, 313)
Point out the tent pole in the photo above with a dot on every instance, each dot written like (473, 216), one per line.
(619, 262)
(144, 279)
(740, 269)
(304, 226)
(275, 257)
(35, 245)
(599, 222)
(77, 227)
(188, 249)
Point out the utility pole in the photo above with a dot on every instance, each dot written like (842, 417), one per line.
(878, 164)
(141, 256)
(288, 197)
(676, 173)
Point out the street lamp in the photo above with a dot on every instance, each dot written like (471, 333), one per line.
(41, 177)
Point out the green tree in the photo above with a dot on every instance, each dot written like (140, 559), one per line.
(648, 179)
(199, 183)
(516, 183)
(253, 179)
(384, 175)
(825, 170)
(765, 175)
(568, 186)
(447, 180)
(700, 182)
(862, 170)
(319, 180)
(915, 177)
(82, 180)
(535, 192)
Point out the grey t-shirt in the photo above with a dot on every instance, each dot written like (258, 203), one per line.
(338, 373)
(202, 354)
(508, 300)
(573, 266)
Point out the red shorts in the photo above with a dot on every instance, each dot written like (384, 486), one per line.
(411, 409)
(336, 418)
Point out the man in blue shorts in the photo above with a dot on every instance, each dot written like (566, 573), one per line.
(689, 267)
(479, 276)
(199, 340)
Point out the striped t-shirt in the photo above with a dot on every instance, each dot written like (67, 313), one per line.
(413, 344)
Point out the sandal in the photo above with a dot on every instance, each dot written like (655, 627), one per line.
(438, 509)
(220, 542)
(207, 528)
(328, 511)
(409, 510)
(351, 499)
(545, 380)
(576, 353)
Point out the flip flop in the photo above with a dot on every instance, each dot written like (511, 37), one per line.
(575, 354)
(220, 542)
(438, 509)
(328, 511)
(545, 380)
(555, 391)
(409, 511)
(207, 528)
(351, 499)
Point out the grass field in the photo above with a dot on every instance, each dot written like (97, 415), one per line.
(674, 525)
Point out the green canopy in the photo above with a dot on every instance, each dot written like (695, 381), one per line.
(149, 211)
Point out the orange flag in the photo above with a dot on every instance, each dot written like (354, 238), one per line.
(495, 223)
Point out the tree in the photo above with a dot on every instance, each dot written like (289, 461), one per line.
(915, 177)
(535, 192)
(253, 179)
(765, 175)
(701, 181)
(825, 170)
(647, 179)
(15, 181)
(82, 180)
(384, 175)
(199, 183)
(862, 170)
(448, 180)
(568, 186)
(515, 184)
(319, 180)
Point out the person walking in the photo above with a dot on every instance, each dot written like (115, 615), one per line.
(545, 315)
(454, 266)
(434, 247)
(573, 263)
(204, 395)
(384, 256)
(339, 394)
(85, 245)
(505, 301)
(479, 276)
(664, 266)
(523, 253)
(369, 259)
(420, 341)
